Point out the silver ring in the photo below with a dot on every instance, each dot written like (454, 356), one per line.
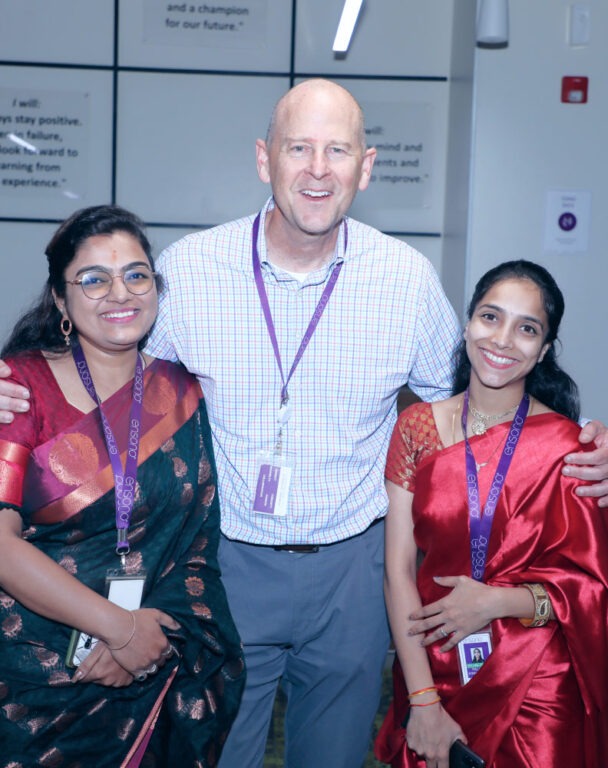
(140, 676)
(152, 669)
(167, 652)
(443, 633)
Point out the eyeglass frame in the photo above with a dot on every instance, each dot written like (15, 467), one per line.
(121, 275)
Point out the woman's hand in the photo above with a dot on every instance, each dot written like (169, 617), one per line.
(468, 607)
(148, 649)
(100, 667)
(431, 732)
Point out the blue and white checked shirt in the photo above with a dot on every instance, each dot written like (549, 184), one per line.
(387, 323)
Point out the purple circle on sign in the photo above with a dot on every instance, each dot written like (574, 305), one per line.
(567, 221)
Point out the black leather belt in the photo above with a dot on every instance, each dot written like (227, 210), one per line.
(310, 548)
(297, 548)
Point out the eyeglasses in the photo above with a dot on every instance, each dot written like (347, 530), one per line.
(98, 283)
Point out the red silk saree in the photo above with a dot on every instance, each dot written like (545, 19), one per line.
(541, 699)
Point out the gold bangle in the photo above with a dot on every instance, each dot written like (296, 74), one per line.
(542, 606)
(131, 636)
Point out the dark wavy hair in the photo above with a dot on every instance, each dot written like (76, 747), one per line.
(40, 328)
(547, 381)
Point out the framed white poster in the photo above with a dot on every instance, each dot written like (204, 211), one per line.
(248, 35)
(55, 140)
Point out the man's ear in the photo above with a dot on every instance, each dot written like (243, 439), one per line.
(261, 157)
(366, 168)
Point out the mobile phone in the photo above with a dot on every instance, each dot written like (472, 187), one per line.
(462, 756)
(79, 648)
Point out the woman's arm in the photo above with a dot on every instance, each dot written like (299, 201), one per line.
(44, 587)
(430, 730)
(468, 607)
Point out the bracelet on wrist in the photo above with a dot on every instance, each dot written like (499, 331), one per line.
(421, 691)
(542, 606)
(427, 703)
(131, 636)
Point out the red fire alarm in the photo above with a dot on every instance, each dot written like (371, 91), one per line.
(574, 90)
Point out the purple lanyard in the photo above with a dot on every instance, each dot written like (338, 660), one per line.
(124, 481)
(259, 281)
(480, 526)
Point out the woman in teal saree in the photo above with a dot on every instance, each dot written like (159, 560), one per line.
(163, 682)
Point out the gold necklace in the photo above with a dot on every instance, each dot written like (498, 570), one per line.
(481, 464)
(481, 421)
(478, 465)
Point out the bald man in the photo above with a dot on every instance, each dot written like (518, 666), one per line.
(302, 325)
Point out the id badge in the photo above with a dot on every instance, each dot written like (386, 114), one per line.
(125, 590)
(274, 475)
(473, 652)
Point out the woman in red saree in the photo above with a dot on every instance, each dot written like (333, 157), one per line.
(162, 683)
(537, 607)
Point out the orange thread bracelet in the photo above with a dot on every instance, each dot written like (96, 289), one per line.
(427, 704)
(421, 691)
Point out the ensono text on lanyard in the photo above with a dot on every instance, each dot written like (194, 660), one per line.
(124, 480)
(480, 524)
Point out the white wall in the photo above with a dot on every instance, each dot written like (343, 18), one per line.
(527, 142)
(453, 265)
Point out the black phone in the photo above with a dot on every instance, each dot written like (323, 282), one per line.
(462, 756)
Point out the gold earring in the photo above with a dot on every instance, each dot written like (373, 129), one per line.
(66, 330)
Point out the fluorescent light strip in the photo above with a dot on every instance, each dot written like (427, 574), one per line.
(346, 27)
(22, 143)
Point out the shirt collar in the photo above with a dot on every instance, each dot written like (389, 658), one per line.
(317, 276)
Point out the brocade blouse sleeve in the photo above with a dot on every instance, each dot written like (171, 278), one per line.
(415, 436)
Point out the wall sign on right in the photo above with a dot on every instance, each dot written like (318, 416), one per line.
(567, 221)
